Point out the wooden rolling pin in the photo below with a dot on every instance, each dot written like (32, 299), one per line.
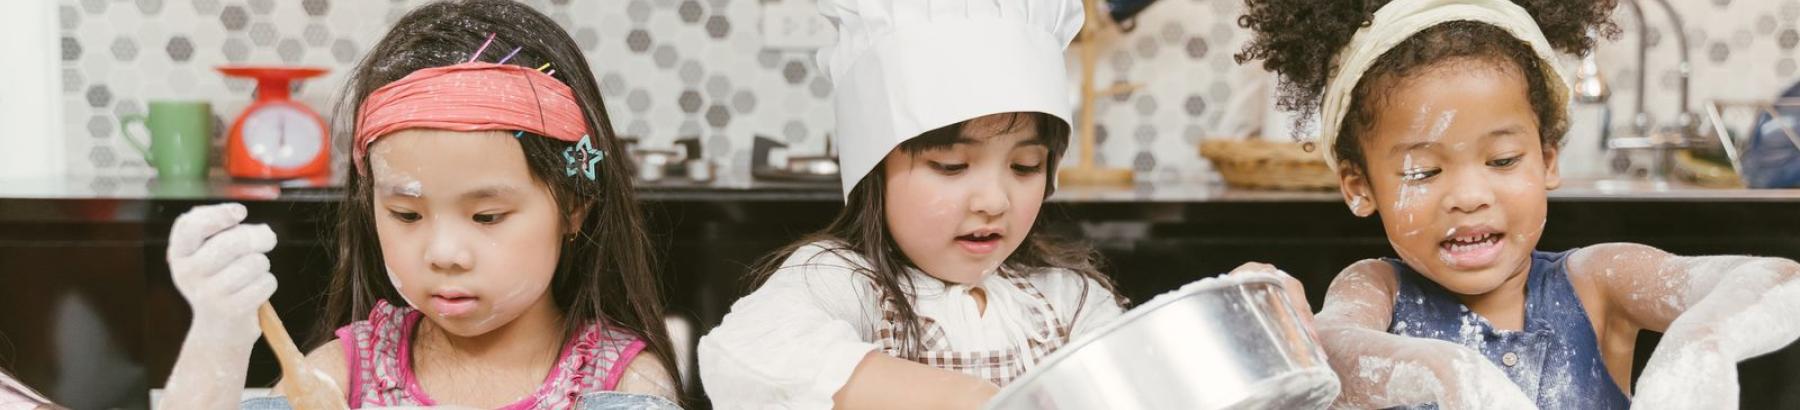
(306, 388)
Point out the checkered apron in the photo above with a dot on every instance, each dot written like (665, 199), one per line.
(999, 366)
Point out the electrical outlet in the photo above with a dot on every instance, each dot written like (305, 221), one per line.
(796, 25)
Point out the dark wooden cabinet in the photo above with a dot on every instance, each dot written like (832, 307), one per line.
(88, 313)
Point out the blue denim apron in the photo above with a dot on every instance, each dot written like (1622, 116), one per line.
(1555, 359)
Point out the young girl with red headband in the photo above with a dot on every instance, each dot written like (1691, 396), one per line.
(489, 251)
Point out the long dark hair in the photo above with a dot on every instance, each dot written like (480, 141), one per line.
(861, 230)
(604, 275)
(1300, 40)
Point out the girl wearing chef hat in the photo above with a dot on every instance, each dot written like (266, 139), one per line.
(929, 289)
(1444, 117)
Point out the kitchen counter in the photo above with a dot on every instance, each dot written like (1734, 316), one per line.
(145, 188)
(94, 246)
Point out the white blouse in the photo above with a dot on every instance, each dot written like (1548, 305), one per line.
(794, 342)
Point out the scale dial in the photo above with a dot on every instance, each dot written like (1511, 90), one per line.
(282, 136)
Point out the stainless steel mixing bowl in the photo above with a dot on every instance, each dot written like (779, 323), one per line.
(1220, 343)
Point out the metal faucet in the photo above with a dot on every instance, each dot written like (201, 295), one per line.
(1592, 88)
(1640, 119)
(1590, 84)
(1645, 135)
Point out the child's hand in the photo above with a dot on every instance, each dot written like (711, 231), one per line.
(220, 267)
(1295, 291)
(1688, 376)
(980, 395)
(1469, 381)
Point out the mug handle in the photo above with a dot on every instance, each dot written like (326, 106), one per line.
(125, 122)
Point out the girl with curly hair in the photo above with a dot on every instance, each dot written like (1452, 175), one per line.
(1444, 118)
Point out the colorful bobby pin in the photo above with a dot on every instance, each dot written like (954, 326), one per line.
(509, 56)
(484, 46)
(582, 158)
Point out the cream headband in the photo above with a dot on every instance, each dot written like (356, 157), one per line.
(1399, 20)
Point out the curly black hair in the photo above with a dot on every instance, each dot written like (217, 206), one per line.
(1299, 39)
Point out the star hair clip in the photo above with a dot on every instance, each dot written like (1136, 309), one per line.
(582, 158)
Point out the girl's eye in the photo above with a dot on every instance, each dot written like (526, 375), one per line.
(404, 217)
(948, 168)
(489, 219)
(1504, 162)
(1028, 169)
(1416, 175)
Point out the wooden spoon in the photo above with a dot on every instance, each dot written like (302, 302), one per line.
(307, 388)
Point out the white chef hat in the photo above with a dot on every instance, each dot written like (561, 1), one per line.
(904, 67)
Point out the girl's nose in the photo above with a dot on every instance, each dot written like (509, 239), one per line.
(1469, 192)
(989, 196)
(447, 250)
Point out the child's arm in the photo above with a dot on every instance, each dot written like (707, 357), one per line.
(1377, 369)
(1714, 311)
(220, 268)
(886, 382)
(800, 361)
(796, 342)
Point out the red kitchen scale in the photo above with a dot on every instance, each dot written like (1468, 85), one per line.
(277, 137)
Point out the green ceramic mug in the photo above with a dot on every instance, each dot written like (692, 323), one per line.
(180, 136)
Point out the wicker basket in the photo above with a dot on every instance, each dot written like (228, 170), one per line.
(1262, 164)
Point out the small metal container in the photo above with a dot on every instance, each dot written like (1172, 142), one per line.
(812, 165)
(1220, 343)
(653, 163)
(700, 170)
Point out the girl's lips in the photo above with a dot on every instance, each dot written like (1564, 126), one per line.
(979, 247)
(453, 305)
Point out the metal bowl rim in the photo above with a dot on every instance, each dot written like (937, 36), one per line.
(1136, 313)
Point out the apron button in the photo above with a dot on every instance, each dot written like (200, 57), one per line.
(1510, 359)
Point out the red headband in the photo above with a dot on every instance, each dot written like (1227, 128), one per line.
(470, 97)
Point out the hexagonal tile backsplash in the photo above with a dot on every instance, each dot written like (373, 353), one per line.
(669, 69)
(673, 69)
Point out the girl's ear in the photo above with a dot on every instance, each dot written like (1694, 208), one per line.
(1552, 173)
(1355, 187)
(577, 216)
